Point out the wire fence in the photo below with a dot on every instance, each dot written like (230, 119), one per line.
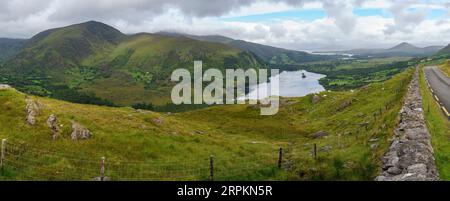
(22, 161)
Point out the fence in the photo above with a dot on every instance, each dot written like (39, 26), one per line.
(22, 161)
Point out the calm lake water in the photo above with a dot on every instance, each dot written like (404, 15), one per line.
(291, 84)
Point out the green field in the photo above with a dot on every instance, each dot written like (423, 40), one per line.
(144, 145)
(439, 127)
(355, 73)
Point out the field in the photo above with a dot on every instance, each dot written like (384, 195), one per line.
(439, 127)
(351, 131)
(355, 73)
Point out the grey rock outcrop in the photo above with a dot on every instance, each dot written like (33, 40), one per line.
(32, 109)
(79, 132)
(410, 156)
(5, 86)
(52, 123)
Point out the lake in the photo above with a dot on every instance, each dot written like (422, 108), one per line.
(291, 84)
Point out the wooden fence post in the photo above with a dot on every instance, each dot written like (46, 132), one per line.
(102, 169)
(315, 151)
(3, 150)
(211, 168)
(280, 157)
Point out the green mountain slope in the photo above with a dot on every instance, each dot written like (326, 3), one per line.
(269, 54)
(93, 62)
(9, 48)
(445, 50)
(143, 145)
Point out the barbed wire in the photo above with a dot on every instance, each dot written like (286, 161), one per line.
(28, 162)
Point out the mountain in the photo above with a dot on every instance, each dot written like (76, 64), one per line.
(10, 47)
(95, 63)
(445, 50)
(402, 49)
(269, 54)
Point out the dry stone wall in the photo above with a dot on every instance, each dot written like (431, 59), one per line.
(410, 156)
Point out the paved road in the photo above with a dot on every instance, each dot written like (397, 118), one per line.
(440, 85)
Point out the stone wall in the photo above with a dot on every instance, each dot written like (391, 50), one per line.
(410, 156)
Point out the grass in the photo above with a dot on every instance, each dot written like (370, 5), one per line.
(439, 127)
(445, 67)
(244, 144)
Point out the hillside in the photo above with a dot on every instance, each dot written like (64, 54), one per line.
(445, 50)
(351, 130)
(95, 63)
(269, 54)
(9, 48)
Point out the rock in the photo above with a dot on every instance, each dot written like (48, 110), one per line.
(199, 132)
(5, 86)
(52, 123)
(394, 171)
(32, 109)
(418, 169)
(373, 146)
(79, 132)
(374, 140)
(326, 148)
(316, 98)
(410, 156)
(319, 134)
(344, 105)
(158, 121)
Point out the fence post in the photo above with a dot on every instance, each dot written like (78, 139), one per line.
(102, 169)
(2, 157)
(280, 157)
(211, 168)
(315, 151)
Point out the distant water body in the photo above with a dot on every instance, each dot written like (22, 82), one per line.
(291, 84)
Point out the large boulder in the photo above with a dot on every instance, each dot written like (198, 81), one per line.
(32, 110)
(79, 132)
(52, 123)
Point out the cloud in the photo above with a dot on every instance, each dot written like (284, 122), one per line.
(406, 17)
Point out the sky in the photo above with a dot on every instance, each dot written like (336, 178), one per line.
(294, 24)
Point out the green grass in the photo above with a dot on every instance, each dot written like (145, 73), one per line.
(439, 127)
(445, 67)
(244, 144)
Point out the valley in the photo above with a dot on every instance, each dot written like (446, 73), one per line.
(76, 97)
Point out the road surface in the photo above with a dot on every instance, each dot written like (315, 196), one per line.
(440, 86)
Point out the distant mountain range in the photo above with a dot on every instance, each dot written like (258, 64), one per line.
(269, 54)
(402, 49)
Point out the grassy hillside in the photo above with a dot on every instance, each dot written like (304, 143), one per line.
(9, 48)
(445, 67)
(95, 63)
(439, 127)
(143, 145)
